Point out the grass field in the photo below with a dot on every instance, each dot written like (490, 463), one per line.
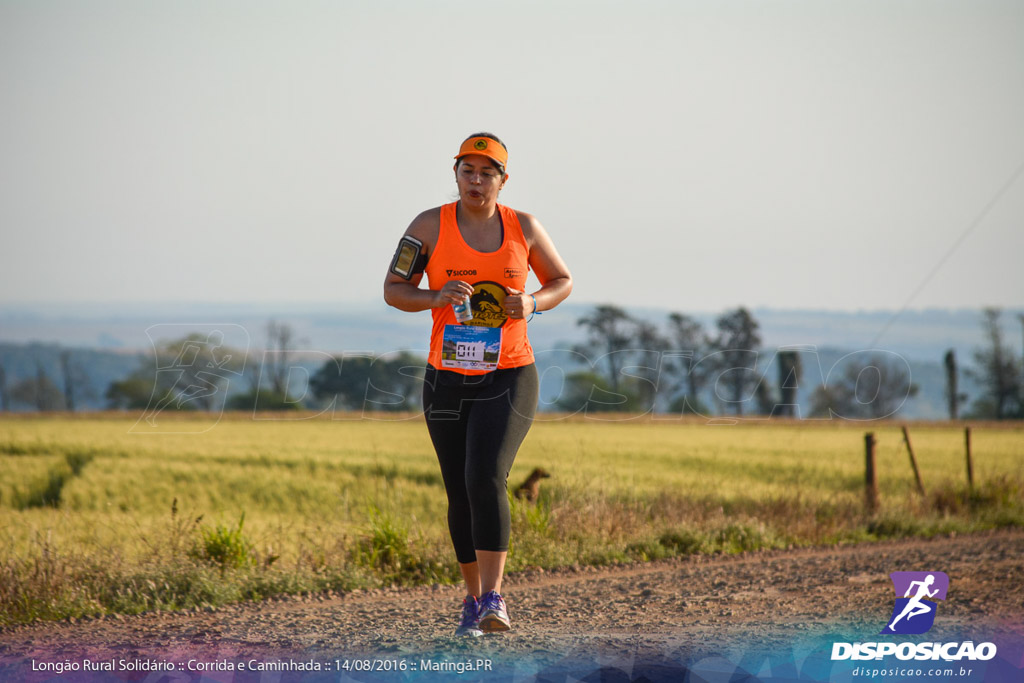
(95, 518)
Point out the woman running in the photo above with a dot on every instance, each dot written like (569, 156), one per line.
(481, 385)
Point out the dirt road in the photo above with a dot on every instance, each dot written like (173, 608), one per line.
(674, 613)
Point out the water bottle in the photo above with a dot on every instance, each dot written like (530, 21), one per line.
(463, 311)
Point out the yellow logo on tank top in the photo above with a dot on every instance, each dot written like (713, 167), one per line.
(487, 304)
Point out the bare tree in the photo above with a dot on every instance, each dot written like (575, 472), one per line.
(736, 345)
(69, 384)
(612, 330)
(998, 373)
(44, 396)
(651, 345)
(280, 345)
(688, 343)
(76, 382)
(39, 392)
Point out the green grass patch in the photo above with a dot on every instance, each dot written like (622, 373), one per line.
(226, 547)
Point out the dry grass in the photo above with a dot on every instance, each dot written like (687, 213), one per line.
(95, 519)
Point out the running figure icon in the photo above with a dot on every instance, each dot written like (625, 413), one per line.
(194, 366)
(918, 594)
(915, 606)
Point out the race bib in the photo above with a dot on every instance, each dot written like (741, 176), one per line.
(471, 347)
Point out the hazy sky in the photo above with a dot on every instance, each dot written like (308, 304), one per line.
(694, 155)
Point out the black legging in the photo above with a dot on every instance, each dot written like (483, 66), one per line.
(477, 424)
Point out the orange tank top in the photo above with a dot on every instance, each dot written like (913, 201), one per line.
(489, 273)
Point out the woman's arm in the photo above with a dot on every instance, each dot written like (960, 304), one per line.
(406, 295)
(554, 275)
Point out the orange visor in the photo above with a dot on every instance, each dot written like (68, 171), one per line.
(486, 147)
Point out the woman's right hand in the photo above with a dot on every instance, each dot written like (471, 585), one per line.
(453, 292)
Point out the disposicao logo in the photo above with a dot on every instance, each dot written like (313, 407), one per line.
(916, 596)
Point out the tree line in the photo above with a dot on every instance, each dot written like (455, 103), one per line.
(626, 364)
(683, 368)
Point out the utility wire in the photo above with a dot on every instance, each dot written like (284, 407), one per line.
(956, 245)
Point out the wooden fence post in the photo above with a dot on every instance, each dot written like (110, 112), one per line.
(870, 473)
(970, 461)
(913, 461)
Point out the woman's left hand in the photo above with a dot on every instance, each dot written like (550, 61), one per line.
(517, 304)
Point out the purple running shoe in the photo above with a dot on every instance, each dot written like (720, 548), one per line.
(493, 615)
(469, 625)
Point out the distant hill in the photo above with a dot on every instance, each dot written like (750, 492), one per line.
(110, 342)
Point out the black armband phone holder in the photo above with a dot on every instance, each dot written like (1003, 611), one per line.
(409, 258)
